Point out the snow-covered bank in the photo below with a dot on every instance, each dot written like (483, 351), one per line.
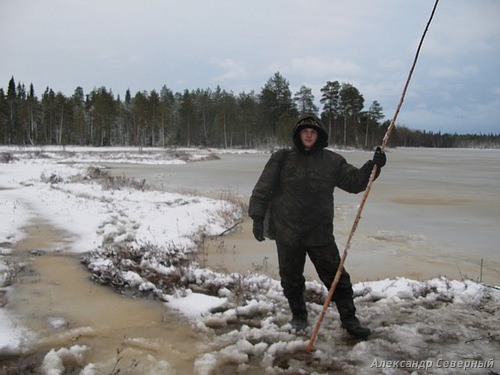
(142, 239)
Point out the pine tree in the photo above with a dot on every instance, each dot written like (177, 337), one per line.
(12, 111)
(304, 99)
(331, 105)
(275, 101)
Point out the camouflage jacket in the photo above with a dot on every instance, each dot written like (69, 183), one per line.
(302, 202)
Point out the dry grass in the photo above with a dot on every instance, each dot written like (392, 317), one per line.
(6, 157)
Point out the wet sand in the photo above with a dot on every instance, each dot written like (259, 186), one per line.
(55, 298)
(240, 252)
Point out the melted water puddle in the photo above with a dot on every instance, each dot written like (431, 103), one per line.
(57, 300)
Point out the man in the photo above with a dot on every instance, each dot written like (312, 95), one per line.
(300, 183)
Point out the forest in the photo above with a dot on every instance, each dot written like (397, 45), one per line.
(205, 118)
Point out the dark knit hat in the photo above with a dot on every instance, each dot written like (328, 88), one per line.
(310, 120)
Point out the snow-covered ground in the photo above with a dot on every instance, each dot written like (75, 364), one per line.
(437, 326)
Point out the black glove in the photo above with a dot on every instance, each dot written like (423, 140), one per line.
(258, 228)
(379, 157)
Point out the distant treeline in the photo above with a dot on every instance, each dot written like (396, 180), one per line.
(415, 138)
(204, 118)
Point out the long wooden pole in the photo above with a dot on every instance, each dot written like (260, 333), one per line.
(367, 192)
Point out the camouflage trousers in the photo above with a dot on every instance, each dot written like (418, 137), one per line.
(325, 259)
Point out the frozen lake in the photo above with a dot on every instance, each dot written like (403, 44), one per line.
(432, 212)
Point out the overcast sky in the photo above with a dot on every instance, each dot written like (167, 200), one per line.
(240, 44)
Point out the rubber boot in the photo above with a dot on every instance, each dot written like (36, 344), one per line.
(299, 312)
(349, 321)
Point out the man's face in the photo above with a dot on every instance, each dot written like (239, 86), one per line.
(308, 137)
